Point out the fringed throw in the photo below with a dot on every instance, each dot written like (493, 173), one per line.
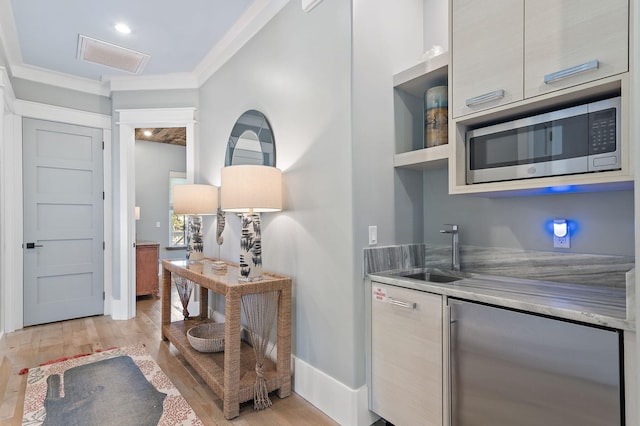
(260, 311)
(185, 288)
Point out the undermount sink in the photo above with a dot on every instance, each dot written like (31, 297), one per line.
(433, 277)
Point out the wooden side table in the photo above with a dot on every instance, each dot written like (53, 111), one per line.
(147, 254)
(230, 374)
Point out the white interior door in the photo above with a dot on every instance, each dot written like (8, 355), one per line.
(63, 221)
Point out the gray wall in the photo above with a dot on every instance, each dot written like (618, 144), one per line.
(154, 161)
(52, 95)
(155, 99)
(297, 71)
(386, 39)
(604, 220)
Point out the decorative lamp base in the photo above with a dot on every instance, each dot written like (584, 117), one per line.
(195, 240)
(250, 248)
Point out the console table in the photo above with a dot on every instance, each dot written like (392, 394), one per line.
(230, 374)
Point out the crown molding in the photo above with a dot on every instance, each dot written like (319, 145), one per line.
(67, 81)
(254, 18)
(185, 80)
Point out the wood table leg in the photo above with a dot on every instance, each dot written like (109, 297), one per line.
(231, 400)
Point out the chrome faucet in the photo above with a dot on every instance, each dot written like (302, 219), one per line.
(455, 245)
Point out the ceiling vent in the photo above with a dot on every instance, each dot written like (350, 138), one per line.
(100, 52)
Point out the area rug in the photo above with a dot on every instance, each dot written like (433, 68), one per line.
(123, 386)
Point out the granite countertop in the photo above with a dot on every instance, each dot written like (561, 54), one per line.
(604, 306)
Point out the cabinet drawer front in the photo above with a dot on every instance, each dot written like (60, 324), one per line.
(563, 35)
(406, 360)
(487, 54)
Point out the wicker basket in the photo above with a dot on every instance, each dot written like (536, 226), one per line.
(208, 337)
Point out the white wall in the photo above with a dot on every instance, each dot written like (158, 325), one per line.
(43, 93)
(297, 71)
(154, 161)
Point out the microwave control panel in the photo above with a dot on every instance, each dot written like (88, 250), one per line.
(602, 125)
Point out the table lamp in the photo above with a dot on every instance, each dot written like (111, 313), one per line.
(194, 201)
(251, 190)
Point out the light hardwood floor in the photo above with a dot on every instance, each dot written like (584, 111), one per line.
(32, 346)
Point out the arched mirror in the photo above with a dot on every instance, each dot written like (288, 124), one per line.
(251, 141)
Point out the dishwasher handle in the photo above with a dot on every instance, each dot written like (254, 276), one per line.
(402, 303)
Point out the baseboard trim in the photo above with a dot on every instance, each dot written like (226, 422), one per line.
(344, 405)
(348, 407)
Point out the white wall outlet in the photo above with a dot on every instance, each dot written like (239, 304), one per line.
(562, 242)
(561, 237)
(373, 235)
(157, 224)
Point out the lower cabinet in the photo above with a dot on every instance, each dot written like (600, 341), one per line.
(147, 254)
(406, 355)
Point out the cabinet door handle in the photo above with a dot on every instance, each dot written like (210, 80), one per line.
(402, 303)
(491, 96)
(568, 72)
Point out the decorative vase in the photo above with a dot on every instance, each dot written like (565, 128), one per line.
(436, 104)
(195, 240)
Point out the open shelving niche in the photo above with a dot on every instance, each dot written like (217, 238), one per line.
(409, 88)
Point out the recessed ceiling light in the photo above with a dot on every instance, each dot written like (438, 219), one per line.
(147, 133)
(123, 28)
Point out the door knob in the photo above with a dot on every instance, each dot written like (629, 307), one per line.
(33, 245)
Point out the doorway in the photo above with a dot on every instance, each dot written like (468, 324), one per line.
(160, 162)
(124, 299)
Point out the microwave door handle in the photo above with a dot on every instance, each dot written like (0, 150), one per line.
(548, 145)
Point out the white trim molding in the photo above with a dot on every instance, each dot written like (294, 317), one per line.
(124, 305)
(251, 21)
(346, 406)
(58, 79)
(9, 248)
(62, 114)
(7, 90)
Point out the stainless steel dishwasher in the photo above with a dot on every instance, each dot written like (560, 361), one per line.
(513, 368)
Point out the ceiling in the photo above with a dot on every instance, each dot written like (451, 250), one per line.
(171, 135)
(40, 36)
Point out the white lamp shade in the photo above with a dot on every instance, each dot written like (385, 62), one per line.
(247, 188)
(194, 199)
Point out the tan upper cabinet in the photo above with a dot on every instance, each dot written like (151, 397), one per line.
(487, 54)
(509, 50)
(570, 42)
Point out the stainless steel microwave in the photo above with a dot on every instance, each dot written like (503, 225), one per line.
(579, 139)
